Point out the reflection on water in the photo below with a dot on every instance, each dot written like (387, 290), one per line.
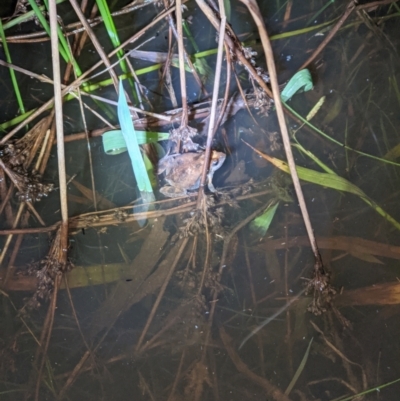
(159, 312)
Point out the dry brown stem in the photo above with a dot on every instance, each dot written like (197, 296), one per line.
(211, 126)
(95, 42)
(349, 9)
(255, 12)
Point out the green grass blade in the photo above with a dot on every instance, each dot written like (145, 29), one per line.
(315, 16)
(139, 168)
(329, 180)
(314, 158)
(25, 17)
(342, 145)
(228, 9)
(199, 63)
(369, 391)
(12, 72)
(299, 369)
(261, 223)
(64, 45)
(113, 35)
(63, 49)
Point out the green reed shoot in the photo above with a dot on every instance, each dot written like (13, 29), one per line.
(321, 10)
(64, 49)
(299, 369)
(329, 180)
(25, 17)
(261, 223)
(200, 64)
(12, 72)
(113, 35)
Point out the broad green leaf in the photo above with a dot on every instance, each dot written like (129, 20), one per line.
(262, 223)
(300, 80)
(139, 168)
(114, 142)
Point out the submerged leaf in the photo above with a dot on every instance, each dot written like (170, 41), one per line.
(262, 223)
(300, 80)
(366, 257)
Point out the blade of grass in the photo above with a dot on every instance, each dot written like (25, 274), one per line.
(299, 369)
(329, 180)
(12, 72)
(328, 3)
(63, 49)
(25, 17)
(113, 35)
(200, 64)
(261, 223)
(313, 127)
(371, 390)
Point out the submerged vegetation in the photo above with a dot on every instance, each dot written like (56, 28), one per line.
(224, 256)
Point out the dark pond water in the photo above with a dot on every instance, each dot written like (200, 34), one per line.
(158, 312)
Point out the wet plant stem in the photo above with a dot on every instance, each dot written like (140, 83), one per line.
(181, 53)
(255, 13)
(58, 114)
(211, 126)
